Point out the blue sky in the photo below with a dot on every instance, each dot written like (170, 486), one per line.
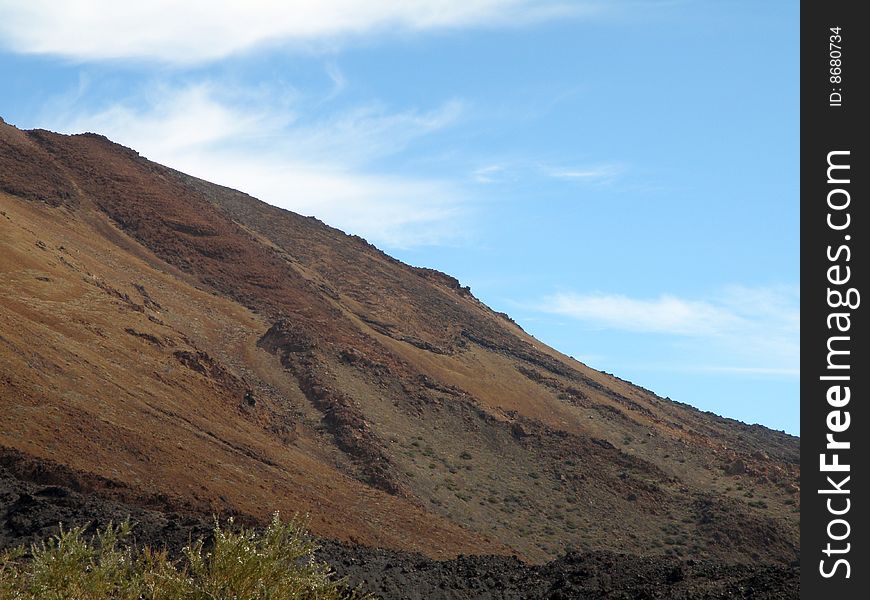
(620, 177)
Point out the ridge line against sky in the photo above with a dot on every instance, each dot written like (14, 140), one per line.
(611, 174)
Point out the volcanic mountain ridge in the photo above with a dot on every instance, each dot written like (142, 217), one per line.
(172, 345)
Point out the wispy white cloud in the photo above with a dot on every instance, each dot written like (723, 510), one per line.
(750, 330)
(339, 81)
(369, 132)
(665, 314)
(586, 174)
(529, 169)
(488, 174)
(202, 30)
(768, 371)
(267, 143)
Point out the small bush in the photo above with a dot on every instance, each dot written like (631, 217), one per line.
(277, 564)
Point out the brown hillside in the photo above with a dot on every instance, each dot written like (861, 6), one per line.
(166, 342)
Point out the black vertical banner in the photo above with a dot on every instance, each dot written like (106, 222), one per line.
(835, 225)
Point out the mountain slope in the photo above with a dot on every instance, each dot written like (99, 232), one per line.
(177, 344)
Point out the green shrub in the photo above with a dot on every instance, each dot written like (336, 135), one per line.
(277, 564)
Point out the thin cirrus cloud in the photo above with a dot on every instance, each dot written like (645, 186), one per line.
(197, 31)
(510, 171)
(748, 330)
(489, 174)
(585, 174)
(268, 144)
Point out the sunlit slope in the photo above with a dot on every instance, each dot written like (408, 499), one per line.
(177, 342)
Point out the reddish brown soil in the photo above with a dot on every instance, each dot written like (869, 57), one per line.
(191, 347)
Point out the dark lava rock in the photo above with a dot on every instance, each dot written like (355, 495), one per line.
(587, 575)
(30, 512)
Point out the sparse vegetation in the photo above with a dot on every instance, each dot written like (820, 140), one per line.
(277, 564)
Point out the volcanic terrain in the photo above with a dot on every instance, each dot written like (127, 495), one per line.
(178, 349)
